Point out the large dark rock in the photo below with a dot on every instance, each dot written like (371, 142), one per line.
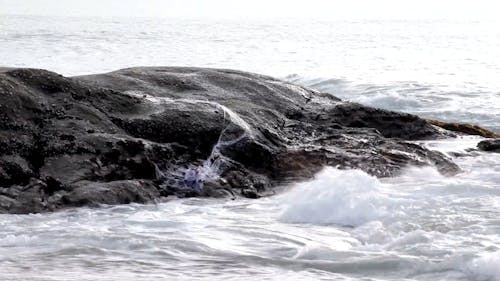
(492, 145)
(128, 136)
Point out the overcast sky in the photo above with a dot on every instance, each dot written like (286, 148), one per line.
(325, 9)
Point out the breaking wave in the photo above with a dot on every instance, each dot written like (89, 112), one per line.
(486, 267)
(349, 198)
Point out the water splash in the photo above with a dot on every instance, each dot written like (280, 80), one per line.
(485, 267)
(193, 177)
(210, 169)
(343, 197)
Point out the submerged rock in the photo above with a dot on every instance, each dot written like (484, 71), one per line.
(492, 145)
(129, 136)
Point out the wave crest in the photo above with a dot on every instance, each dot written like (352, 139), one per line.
(344, 197)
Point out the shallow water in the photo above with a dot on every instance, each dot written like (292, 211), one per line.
(341, 225)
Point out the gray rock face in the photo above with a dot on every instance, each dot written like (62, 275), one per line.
(129, 136)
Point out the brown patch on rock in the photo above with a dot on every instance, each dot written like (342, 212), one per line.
(464, 128)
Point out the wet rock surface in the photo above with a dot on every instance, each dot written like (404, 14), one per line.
(492, 145)
(130, 135)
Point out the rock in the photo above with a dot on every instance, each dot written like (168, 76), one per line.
(250, 193)
(467, 129)
(217, 188)
(404, 126)
(6, 204)
(30, 198)
(492, 145)
(53, 185)
(67, 169)
(127, 136)
(14, 169)
(111, 193)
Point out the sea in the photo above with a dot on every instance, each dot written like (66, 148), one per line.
(339, 225)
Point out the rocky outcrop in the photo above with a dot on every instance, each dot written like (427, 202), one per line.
(492, 145)
(129, 136)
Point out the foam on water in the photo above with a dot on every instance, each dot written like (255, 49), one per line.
(348, 198)
(447, 227)
(486, 267)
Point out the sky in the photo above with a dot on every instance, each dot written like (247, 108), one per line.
(248, 9)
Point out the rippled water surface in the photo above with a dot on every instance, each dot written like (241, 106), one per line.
(341, 225)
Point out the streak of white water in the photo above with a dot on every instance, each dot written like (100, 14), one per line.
(210, 167)
(233, 116)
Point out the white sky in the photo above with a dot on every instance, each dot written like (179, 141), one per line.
(236, 9)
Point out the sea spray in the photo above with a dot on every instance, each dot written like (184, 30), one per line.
(485, 267)
(210, 167)
(344, 197)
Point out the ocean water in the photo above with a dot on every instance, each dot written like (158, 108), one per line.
(340, 225)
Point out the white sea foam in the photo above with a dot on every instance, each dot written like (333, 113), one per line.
(486, 267)
(344, 197)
